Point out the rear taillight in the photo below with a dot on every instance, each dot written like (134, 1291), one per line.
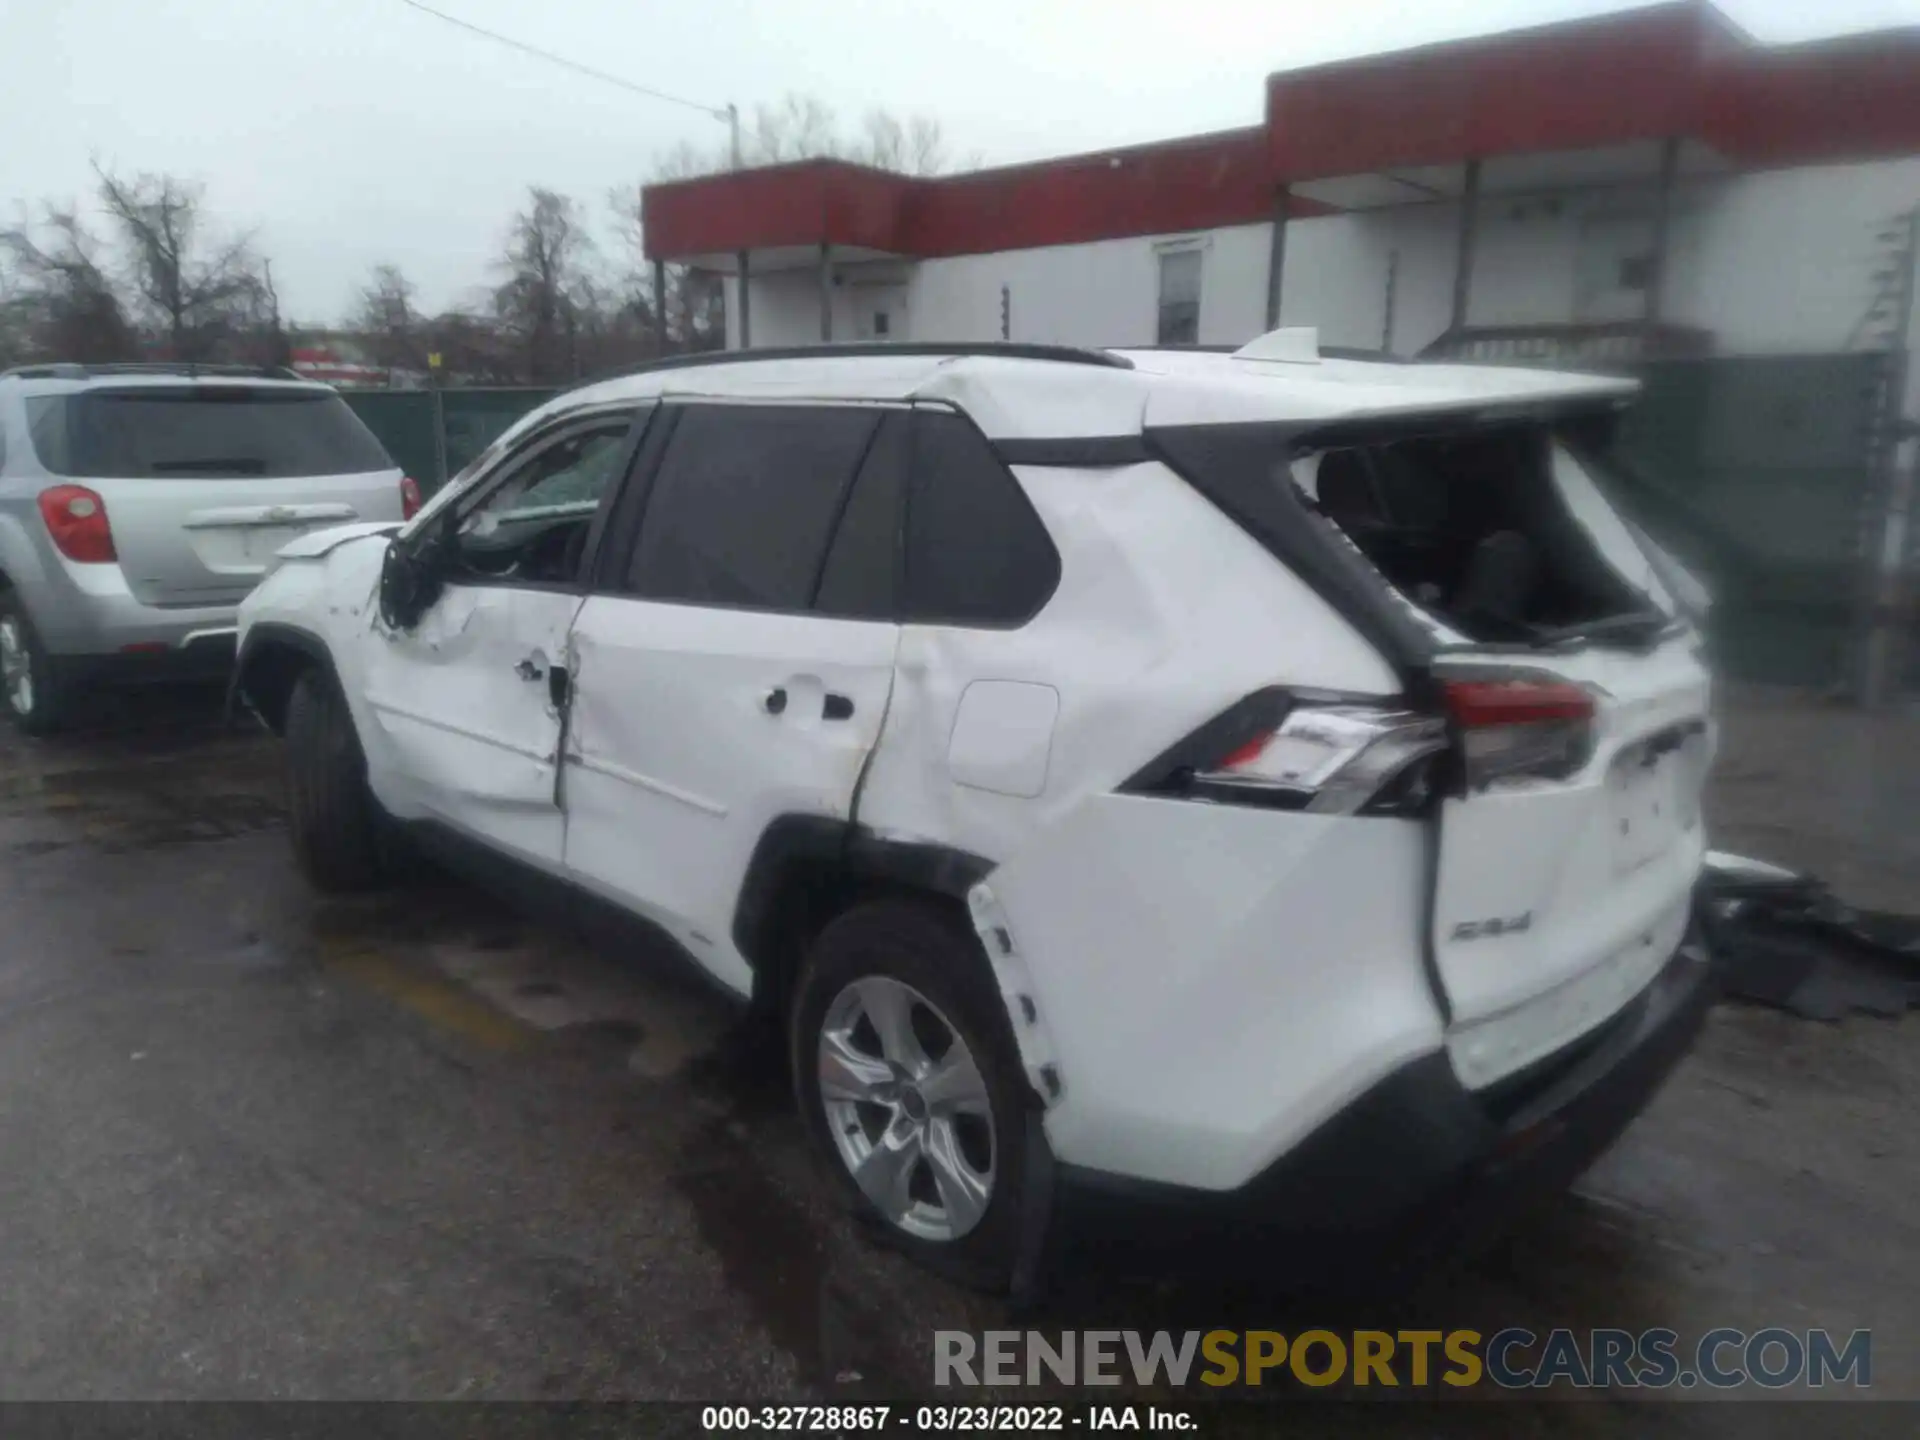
(1328, 755)
(1518, 728)
(409, 497)
(76, 519)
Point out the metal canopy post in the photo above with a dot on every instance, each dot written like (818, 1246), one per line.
(746, 311)
(1277, 256)
(1463, 256)
(1662, 228)
(660, 304)
(826, 293)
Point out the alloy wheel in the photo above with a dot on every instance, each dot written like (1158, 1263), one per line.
(907, 1107)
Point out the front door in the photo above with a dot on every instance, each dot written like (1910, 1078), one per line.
(469, 701)
(735, 661)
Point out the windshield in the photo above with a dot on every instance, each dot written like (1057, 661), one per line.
(201, 432)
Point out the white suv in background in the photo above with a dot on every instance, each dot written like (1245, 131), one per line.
(1261, 783)
(139, 503)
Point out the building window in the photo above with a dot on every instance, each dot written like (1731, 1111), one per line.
(1179, 298)
(1636, 272)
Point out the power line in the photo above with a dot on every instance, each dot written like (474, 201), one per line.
(718, 112)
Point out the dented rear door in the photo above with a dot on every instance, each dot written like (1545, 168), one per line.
(735, 662)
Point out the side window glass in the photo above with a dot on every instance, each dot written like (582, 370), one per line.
(976, 552)
(533, 525)
(744, 501)
(863, 562)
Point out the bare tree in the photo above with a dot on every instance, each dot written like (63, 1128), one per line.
(914, 146)
(196, 295)
(695, 316)
(800, 127)
(538, 303)
(60, 303)
(387, 318)
(803, 127)
(471, 349)
(272, 344)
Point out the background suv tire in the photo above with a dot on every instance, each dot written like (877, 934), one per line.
(331, 813)
(29, 691)
(911, 1087)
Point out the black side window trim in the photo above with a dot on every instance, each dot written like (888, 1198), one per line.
(915, 472)
(902, 482)
(608, 560)
(639, 418)
(625, 526)
(610, 551)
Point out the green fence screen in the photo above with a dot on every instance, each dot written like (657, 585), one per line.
(432, 434)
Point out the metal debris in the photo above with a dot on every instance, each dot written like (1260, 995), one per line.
(1782, 938)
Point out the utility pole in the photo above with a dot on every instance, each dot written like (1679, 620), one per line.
(732, 116)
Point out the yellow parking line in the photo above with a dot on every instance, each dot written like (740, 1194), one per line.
(439, 1002)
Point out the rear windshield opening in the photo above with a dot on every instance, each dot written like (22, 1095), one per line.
(1476, 530)
(201, 432)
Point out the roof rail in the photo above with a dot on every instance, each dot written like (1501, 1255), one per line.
(1327, 352)
(1001, 349)
(67, 370)
(57, 371)
(195, 367)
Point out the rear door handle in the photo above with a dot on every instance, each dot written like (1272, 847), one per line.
(837, 707)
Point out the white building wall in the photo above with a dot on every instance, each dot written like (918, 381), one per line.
(1770, 262)
(1105, 293)
(1783, 260)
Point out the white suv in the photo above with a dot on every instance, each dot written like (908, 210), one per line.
(1263, 782)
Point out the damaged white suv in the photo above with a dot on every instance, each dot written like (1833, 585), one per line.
(1264, 783)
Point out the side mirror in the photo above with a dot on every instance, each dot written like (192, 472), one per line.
(411, 577)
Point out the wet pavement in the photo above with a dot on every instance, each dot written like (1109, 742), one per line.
(256, 1144)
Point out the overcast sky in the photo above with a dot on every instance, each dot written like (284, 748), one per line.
(349, 132)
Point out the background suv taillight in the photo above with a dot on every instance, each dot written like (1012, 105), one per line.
(76, 519)
(409, 497)
(1520, 727)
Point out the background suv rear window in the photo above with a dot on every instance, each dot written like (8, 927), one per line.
(204, 432)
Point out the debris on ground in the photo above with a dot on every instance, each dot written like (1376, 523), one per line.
(1783, 938)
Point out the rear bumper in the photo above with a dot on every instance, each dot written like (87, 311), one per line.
(1418, 1164)
(89, 611)
(202, 654)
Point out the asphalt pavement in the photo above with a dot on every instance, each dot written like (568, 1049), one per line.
(256, 1144)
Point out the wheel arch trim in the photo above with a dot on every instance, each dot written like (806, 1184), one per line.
(795, 849)
(260, 638)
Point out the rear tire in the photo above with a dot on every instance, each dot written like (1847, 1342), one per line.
(33, 697)
(949, 1167)
(332, 816)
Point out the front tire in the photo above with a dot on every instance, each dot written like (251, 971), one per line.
(911, 1087)
(34, 700)
(332, 817)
